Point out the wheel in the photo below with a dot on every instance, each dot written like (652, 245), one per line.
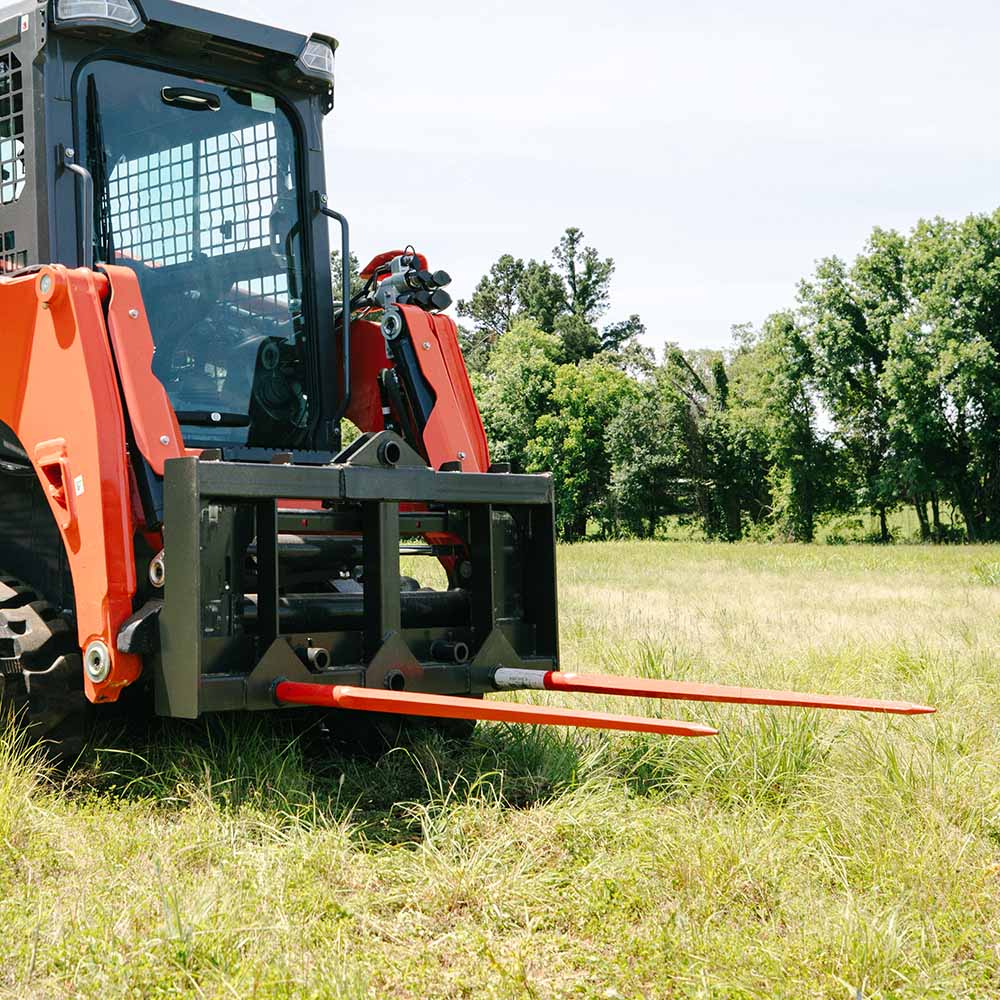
(41, 673)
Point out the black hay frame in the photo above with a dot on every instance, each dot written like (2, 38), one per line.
(223, 646)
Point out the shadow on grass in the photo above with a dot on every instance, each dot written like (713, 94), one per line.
(275, 766)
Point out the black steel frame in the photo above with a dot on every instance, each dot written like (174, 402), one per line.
(208, 662)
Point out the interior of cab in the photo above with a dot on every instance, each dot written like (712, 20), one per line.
(194, 190)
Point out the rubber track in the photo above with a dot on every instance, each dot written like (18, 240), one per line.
(41, 672)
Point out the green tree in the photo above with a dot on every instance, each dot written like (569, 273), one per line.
(543, 294)
(943, 373)
(849, 315)
(586, 276)
(578, 339)
(617, 336)
(566, 295)
(492, 309)
(570, 441)
(516, 389)
(646, 448)
(773, 393)
(356, 283)
(723, 457)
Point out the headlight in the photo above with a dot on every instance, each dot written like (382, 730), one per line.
(316, 59)
(112, 13)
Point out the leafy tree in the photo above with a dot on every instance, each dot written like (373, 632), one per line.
(516, 389)
(636, 359)
(586, 277)
(494, 305)
(646, 448)
(356, 283)
(543, 294)
(578, 338)
(943, 372)
(571, 442)
(566, 295)
(687, 399)
(772, 385)
(723, 454)
(616, 336)
(849, 314)
(580, 298)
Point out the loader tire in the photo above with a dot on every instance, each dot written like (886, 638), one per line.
(41, 672)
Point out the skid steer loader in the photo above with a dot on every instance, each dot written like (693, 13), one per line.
(177, 511)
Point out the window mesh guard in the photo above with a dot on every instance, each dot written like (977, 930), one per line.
(212, 198)
(12, 153)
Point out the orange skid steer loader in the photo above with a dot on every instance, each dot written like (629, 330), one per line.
(177, 512)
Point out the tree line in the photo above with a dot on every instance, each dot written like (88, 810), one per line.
(878, 388)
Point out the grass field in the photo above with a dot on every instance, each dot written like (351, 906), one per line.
(795, 855)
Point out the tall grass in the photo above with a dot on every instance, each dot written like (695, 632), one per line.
(798, 854)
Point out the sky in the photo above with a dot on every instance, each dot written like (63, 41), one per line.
(714, 150)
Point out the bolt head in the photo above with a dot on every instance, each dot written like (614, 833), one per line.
(164, 439)
(461, 456)
(392, 324)
(157, 570)
(97, 661)
(134, 313)
(426, 345)
(45, 285)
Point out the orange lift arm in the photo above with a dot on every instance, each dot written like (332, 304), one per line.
(59, 394)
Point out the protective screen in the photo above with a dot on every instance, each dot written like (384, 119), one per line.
(194, 190)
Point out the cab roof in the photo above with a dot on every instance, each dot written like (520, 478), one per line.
(172, 15)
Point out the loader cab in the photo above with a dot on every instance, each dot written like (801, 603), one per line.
(200, 142)
(186, 147)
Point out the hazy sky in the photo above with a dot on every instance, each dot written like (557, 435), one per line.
(715, 150)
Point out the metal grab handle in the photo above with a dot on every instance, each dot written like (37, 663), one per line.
(69, 162)
(192, 100)
(345, 282)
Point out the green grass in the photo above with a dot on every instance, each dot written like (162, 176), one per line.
(796, 855)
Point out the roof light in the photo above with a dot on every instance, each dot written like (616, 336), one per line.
(113, 13)
(316, 59)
